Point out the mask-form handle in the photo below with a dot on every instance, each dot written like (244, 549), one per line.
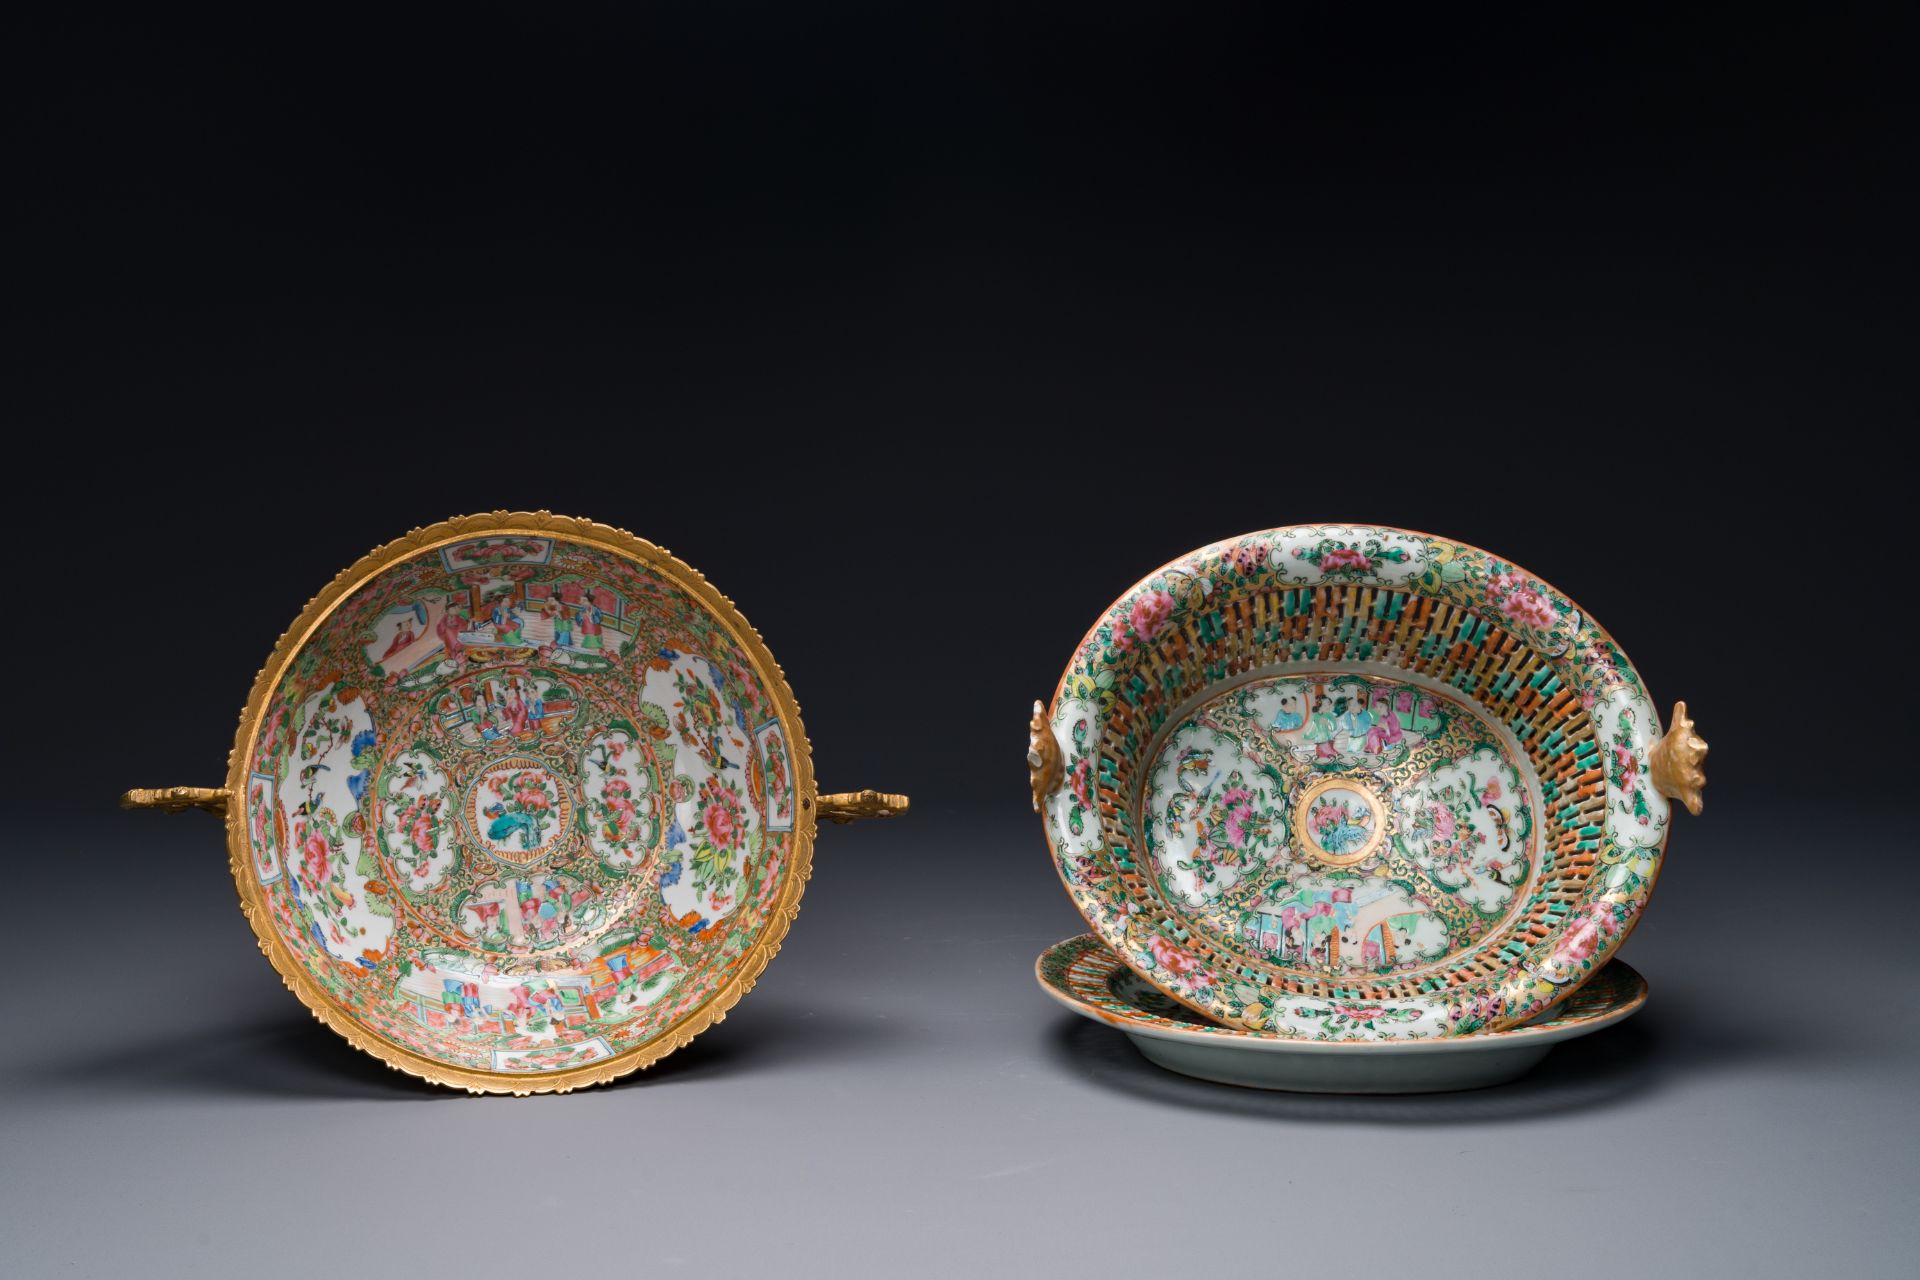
(1678, 762)
(1045, 768)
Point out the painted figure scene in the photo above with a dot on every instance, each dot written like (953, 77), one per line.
(1341, 823)
(515, 800)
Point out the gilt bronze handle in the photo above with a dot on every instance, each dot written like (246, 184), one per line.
(1045, 768)
(1678, 762)
(851, 806)
(178, 799)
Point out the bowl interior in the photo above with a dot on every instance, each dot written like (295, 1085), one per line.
(1349, 819)
(519, 803)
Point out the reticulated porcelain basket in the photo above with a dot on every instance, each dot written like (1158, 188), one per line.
(520, 803)
(1354, 782)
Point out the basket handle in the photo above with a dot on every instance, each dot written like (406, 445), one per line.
(178, 799)
(1678, 762)
(1045, 768)
(851, 806)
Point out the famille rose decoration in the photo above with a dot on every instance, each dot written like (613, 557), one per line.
(1085, 976)
(520, 803)
(1350, 783)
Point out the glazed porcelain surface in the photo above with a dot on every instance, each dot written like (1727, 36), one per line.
(1084, 974)
(521, 806)
(1354, 782)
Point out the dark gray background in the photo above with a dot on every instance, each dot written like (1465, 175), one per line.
(924, 336)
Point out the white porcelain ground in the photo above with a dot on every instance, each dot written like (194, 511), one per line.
(1084, 976)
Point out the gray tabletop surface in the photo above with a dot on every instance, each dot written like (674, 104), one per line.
(898, 1098)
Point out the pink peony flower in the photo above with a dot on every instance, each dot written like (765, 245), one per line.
(1081, 781)
(1170, 957)
(1579, 943)
(1148, 615)
(1584, 938)
(1528, 606)
(1344, 558)
(1360, 1013)
(1239, 825)
(1629, 767)
(722, 827)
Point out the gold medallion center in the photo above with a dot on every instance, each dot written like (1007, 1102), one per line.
(1340, 821)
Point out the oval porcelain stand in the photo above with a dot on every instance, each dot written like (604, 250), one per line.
(1346, 1070)
(520, 803)
(1088, 979)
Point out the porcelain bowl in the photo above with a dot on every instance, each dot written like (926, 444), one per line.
(520, 802)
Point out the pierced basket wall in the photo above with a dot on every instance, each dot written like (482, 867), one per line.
(1357, 782)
